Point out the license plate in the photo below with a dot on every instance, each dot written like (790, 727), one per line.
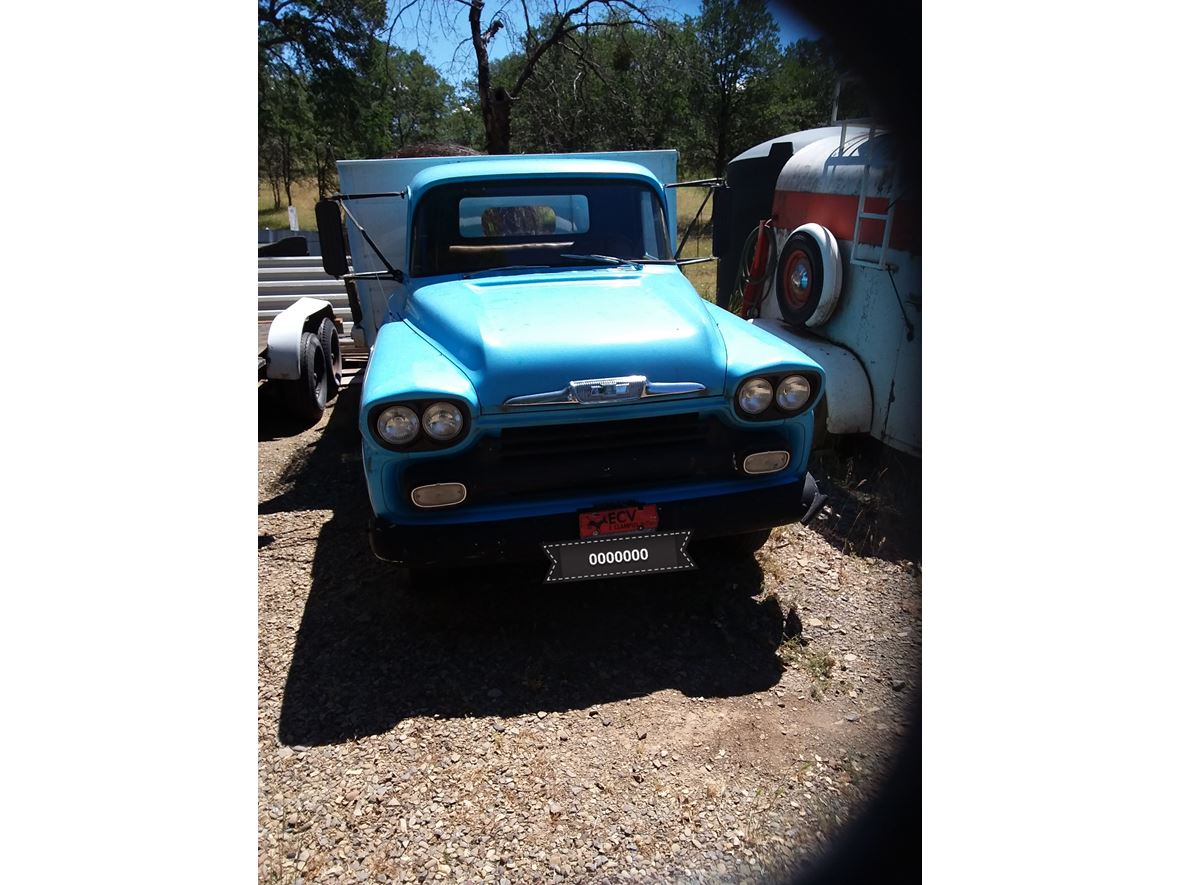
(608, 557)
(618, 521)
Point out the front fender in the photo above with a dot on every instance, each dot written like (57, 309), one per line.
(751, 350)
(405, 366)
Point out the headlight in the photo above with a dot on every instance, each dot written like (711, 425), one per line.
(793, 393)
(442, 421)
(755, 395)
(397, 425)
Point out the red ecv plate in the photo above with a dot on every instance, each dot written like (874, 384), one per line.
(618, 521)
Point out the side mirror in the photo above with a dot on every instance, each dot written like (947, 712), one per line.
(333, 246)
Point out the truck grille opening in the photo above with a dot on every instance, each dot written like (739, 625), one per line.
(573, 458)
(603, 436)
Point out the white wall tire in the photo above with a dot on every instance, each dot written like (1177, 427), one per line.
(809, 276)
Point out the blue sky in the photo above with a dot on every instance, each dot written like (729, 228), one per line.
(437, 38)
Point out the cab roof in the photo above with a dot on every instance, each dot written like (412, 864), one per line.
(526, 167)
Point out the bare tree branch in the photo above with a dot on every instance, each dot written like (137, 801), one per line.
(564, 26)
(571, 46)
(537, 38)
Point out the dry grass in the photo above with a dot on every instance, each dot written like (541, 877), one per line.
(303, 195)
(702, 276)
(874, 500)
(817, 663)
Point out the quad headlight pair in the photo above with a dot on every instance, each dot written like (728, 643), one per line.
(401, 425)
(791, 394)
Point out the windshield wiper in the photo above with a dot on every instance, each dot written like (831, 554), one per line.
(601, 259)
(679, 262)
(636, 262)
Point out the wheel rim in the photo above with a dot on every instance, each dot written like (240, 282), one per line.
(319, 370)
(798, 277)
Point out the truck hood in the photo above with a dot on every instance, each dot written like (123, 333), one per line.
(533, 333)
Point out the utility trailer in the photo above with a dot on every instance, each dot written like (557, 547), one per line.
(299, 341)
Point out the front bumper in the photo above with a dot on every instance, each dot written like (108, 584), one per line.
(521, 540)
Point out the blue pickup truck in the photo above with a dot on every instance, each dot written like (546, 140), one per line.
(543, 381)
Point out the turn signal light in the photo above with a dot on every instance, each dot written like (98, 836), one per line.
(766, 462)
(439, 494)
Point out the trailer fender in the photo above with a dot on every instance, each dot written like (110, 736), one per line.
(286, 334)
(847, 392)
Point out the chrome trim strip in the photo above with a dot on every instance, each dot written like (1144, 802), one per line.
(672, 388)
(746, 462)
(568, 397)
(552, 398)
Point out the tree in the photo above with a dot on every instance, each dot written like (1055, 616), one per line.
(284, 127)
(328, 87)
(613, 89)
(317, 34)
(804, 85)
(462, 123)
(416, 99)
(553, 29)
(738, 45)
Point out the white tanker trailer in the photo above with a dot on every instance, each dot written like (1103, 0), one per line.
(819, 241)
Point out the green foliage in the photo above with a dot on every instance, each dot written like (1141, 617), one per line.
(414, 99)
(462, 124)
(284, 124)
(710, 87)
(385, 100)
(317, 34)
(737, 53)
(804, 84)
(604, 90)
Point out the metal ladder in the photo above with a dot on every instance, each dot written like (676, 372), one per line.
(861, 214)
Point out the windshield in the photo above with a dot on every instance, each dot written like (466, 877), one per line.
(474, 226)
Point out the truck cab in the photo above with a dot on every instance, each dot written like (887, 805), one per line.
(545, 384)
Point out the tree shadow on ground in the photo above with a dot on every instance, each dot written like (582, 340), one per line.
(371, 652)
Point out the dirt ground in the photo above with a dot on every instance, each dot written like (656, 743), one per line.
(719, 725)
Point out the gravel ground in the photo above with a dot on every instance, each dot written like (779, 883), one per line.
(712, 726)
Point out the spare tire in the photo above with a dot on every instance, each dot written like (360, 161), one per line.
(809, 276)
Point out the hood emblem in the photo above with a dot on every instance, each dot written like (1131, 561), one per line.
(605, 392)
(608, 390)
